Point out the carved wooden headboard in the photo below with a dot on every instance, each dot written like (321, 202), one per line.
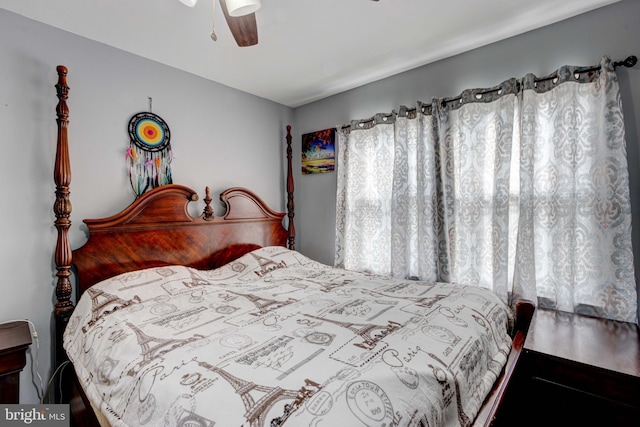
(157, 230)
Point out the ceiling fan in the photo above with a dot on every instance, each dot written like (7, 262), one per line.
(241, 19)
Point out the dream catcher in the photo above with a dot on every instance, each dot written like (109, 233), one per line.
(149, 154)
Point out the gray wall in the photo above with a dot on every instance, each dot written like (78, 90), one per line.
(210, 140)
(109, 86)
(583, 40)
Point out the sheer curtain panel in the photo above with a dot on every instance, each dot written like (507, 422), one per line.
(521, 188)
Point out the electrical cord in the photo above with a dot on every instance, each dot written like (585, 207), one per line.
(34, 334)
(60, 370)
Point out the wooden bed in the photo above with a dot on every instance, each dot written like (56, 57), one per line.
(157, 230)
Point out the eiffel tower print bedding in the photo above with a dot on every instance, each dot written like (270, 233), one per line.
(275, 338)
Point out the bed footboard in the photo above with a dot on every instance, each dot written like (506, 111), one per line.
(492, 407)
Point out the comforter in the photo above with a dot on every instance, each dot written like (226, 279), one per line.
(275, 338)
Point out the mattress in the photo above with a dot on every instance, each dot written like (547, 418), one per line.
(275, 338)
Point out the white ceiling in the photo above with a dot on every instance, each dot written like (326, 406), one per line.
(308, 49)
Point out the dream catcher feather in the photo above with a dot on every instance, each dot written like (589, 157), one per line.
(149, 154)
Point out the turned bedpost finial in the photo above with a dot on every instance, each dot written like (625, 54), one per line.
(62, 205)
(207, 214)
(290, 203)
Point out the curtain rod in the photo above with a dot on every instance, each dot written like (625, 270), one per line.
(628, 62)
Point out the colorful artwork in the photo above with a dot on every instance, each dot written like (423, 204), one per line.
(149, 154)
(318, 153)
(149, 132)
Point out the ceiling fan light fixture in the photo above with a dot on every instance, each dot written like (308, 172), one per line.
(242, 7)
(190, 3)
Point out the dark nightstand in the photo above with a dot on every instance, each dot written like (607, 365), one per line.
(577, 370)
(15, 338)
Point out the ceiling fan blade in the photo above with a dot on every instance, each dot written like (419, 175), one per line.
(244, 28)
(190, 3)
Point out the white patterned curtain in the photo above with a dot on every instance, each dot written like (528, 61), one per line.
(521, 188)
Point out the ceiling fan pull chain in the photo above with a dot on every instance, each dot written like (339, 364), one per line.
(213, 22)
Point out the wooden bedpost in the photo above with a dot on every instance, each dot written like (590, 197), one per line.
(62, 206)
(62, 209)
(290, 204)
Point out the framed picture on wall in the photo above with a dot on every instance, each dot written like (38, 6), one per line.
(318, 151)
